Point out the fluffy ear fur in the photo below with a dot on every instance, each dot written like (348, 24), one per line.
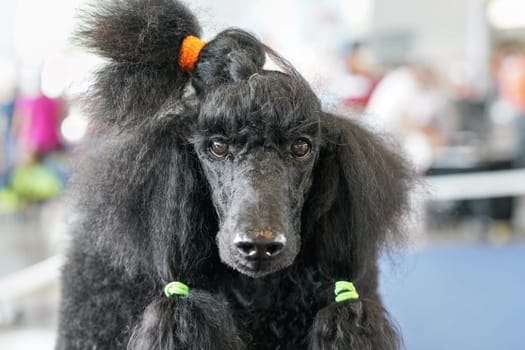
(359, 197)
(141, 39)
(161, 176)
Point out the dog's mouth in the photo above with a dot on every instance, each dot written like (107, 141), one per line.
(256, 268)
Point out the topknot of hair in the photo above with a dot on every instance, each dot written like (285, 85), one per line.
(137, 31)
(232, 55)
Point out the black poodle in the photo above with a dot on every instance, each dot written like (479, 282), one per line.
(218, 205)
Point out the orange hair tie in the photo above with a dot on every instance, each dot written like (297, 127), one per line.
(189, 52)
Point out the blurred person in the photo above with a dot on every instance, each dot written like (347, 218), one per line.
(499, 54)
(511, 88)
(410, 104)
(511, 82)
(354, 89)
(38, 119)
(37, 125)
(503, 129)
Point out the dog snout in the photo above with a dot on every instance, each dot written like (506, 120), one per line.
(263, 246)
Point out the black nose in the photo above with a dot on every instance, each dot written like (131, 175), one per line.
(259, 248)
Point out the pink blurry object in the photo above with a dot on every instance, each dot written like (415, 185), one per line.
(40, 119)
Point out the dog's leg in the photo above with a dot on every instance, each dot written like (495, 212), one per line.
(353, 325)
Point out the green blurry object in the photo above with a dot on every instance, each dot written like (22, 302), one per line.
(34, 182)
(9, 200)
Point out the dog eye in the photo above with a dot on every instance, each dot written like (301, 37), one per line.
(300, 148)
(218, 148)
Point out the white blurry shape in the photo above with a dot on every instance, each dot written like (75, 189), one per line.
(63, 73)
(503, 137)
(28, 338)
(81, 68)
(55, 76)
(502, 113)
(29, 79)
(69, 73)
(506, 14)
(357, 15)
(390, 99)
(74, 126)
(419, 151)
(351, 86)
(8, 79)
(488, 184)
(43, 27)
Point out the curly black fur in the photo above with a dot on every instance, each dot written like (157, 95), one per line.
(155, 204)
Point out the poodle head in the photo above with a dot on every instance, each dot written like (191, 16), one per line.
(257, 141)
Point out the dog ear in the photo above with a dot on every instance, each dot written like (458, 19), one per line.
(142, 203)
(141, 40)
(132, 190)
(358, 198)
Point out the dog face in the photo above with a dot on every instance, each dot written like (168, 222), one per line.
(258, 141)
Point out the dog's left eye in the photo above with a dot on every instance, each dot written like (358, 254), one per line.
(300, 148)
(218, 148)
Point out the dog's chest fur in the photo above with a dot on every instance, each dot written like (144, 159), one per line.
(276, 312)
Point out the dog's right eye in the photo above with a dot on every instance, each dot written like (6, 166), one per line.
(218, 148)
(300, 148)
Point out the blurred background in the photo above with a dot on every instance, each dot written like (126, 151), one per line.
(445, 78)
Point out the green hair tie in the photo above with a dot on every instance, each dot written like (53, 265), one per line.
(176, 288)
(345, 290)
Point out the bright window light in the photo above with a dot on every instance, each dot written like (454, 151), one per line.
(506, 14)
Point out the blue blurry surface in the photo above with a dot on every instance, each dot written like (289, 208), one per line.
(466, 297)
